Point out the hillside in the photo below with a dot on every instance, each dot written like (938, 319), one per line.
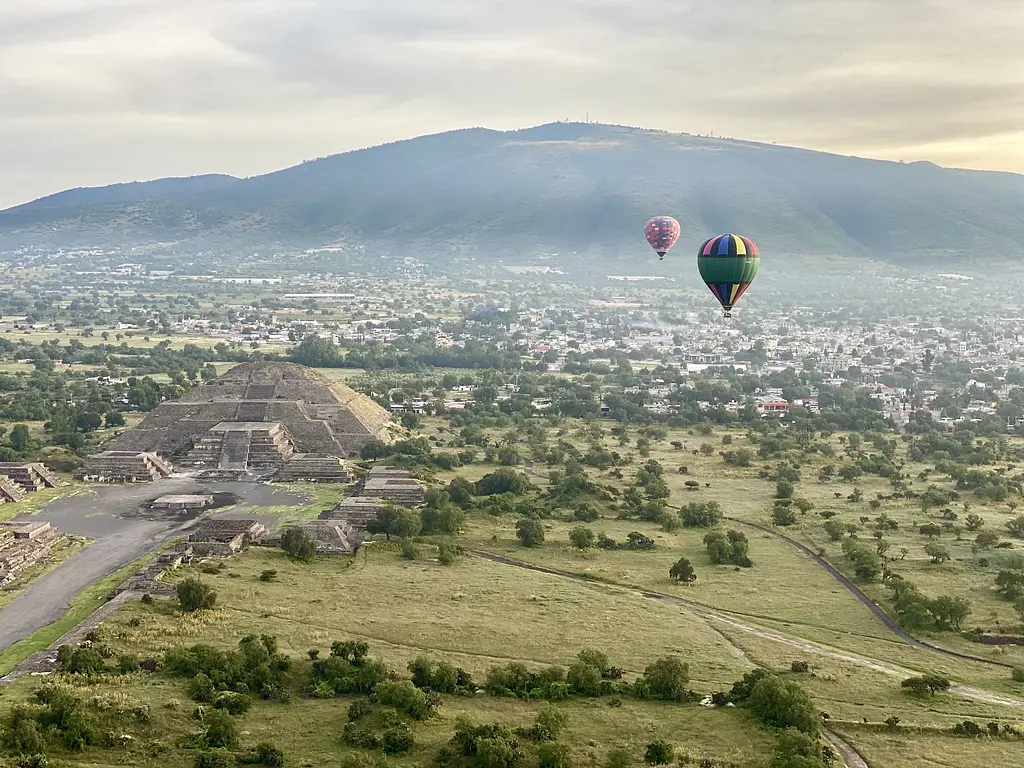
(562, 188)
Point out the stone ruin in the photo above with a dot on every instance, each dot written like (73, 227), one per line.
(10, 491)
(258, 415)
(184, 502)
(393, 483)
(380, 484)
(331, 537)
(20, 478)
(223, 538)
(23, 545)
(357, 511)
(29, 476)
(313, 468)
(124, 467)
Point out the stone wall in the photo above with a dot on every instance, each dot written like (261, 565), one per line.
(23, 546)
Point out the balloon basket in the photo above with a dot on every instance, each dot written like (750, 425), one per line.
(727, 315)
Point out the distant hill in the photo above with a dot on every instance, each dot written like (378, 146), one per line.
(565, 188)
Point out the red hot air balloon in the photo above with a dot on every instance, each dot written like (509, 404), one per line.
(662, 233)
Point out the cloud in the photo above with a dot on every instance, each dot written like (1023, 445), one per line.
(96, 91)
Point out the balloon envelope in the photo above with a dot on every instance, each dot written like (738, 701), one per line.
(728, 265)
(662, 233)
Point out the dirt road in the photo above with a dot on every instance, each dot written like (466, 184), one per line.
(805, 645)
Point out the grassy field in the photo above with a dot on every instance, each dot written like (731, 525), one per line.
(462, 614)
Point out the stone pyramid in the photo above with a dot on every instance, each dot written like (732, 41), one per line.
(311, 415)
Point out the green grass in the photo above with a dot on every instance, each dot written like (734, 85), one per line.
(474, 614)
(81, 607)
(929, 749)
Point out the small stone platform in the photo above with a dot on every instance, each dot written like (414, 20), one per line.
(184, 502)
(313, 468)
(224, 538)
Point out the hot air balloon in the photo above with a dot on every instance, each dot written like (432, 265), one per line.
(728, 264)
(662, 233)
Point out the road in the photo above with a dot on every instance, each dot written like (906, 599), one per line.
(854, 590)
(121, 533)
(888, 669)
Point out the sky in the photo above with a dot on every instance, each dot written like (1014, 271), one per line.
(95, 92)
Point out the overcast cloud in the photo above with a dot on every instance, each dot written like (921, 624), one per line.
(99, 91)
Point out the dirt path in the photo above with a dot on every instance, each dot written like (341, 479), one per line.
(805, 645)
(854, 590)
(846, 753)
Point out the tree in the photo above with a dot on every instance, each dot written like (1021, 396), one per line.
(783, 704)
(974, 522)
(665, 680)
(835, 529)
(1010, 583)
(799, 750)
(582, 537)
(929, 683)
(803, 505)
(683, 571)
(19, 437)
(783, 516)
(395, 520)
(530, 532)
(938, 553)
(298, 544)
(194, 595)
(697, 515)
(447, 519)
(113, 419)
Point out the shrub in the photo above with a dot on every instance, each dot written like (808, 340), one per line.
(201, 688)
(530, 532)
(682, 571)
(1017, 674)
(406, 697)
(447, 553)
(553, 755)
(268, 575)
(618, 758)
(298, 544)
(409, 549)
(221, 730)
(800, 666)
(232, 703)
(582, 538)
(397, 740)
(194, 595)
(659, 753)
(127, 663)
(217, 758)
(265, 754)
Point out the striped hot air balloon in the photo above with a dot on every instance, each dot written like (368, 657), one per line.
(728, 265)
(662, 232)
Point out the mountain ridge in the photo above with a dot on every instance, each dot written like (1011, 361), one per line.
(562, 188)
